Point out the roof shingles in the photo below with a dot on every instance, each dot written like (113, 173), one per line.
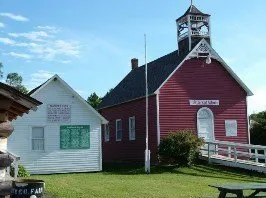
(133, 85)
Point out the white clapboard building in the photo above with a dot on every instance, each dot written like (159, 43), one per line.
(62, 136)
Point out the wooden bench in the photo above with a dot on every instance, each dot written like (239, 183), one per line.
(238, 189)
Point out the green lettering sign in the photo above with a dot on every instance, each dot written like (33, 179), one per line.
(75, 136)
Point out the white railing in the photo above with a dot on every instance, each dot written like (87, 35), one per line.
(235, 151)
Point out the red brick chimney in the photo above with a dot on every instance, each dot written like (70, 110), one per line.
(134, 63)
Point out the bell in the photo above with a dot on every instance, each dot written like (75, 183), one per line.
(208, 60)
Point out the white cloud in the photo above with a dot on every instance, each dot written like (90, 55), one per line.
(19, 55)
(38, 78)
(50, 29)
(51, 50)
(2, 25)
(257, 103)
(43, 45)
(70, 48)
(14, 17)
(34, 36)
(65, 61)
(7, 41)
(41, 76)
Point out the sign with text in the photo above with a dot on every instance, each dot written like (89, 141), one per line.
(231, 128)
(59, 113)
(75, 137)
(204, 102)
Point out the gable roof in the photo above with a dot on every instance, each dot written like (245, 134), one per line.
(159, 71)
(19, 102)
(192, 10)
(133, 85)
(39, 88)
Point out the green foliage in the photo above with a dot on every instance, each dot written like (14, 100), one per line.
(258, 128)
(22, 172)
(15, 80)
(22, 89)
(94, 100)
(110, 90)
(181, 147)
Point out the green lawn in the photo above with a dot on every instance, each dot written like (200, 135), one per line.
(130, 182)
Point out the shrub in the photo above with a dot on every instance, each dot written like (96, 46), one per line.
(181, 147)
(22, 172)
(258, 128)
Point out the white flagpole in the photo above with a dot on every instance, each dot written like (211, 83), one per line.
(147, 151)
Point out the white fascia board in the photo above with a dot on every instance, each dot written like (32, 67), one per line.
(204, 47)
(104, 121)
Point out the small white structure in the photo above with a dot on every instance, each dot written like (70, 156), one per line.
(62, 136)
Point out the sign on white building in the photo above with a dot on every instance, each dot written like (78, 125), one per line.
(204, 102)
(58, 113)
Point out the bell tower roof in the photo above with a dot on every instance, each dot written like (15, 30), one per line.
(193, 10)
(192, 27)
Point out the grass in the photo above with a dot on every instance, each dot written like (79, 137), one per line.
(168, 181)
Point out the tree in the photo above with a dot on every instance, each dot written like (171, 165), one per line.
(1, 72)
(258, 128)
(15, 80)
(110, 90)
(94, 100)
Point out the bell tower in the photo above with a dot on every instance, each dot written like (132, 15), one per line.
(192, 27)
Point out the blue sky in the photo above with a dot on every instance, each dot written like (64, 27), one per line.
(90, 43)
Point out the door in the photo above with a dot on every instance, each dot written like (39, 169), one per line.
(205, 124)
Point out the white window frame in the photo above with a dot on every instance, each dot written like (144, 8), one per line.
(106, 132)
(130, 129)
(118, 120)
(31, 138)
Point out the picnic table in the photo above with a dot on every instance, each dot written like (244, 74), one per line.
(238, 189)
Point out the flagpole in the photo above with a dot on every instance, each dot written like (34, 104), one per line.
(147, 151)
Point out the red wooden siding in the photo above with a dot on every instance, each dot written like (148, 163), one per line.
(195, 80)
(126, 150)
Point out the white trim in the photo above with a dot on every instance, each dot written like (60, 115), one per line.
(130, 129)
(106, 126)
(158, 119)
(104, 121)
(203, 44)
(210, 31)
(248, 121)
(212, 116)
(118, 140)
(44, 138)
(100, 150)
(189, 33)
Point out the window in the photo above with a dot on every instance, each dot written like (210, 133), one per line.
(118, 130)
(106, 133)
(75, 136)
(231, 128)
(37, 138)
(132, 128)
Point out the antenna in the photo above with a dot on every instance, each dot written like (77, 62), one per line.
(191, 2)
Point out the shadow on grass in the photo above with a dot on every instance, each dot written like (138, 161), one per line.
(201, 170)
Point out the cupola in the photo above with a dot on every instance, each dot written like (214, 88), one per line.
(192, 27)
